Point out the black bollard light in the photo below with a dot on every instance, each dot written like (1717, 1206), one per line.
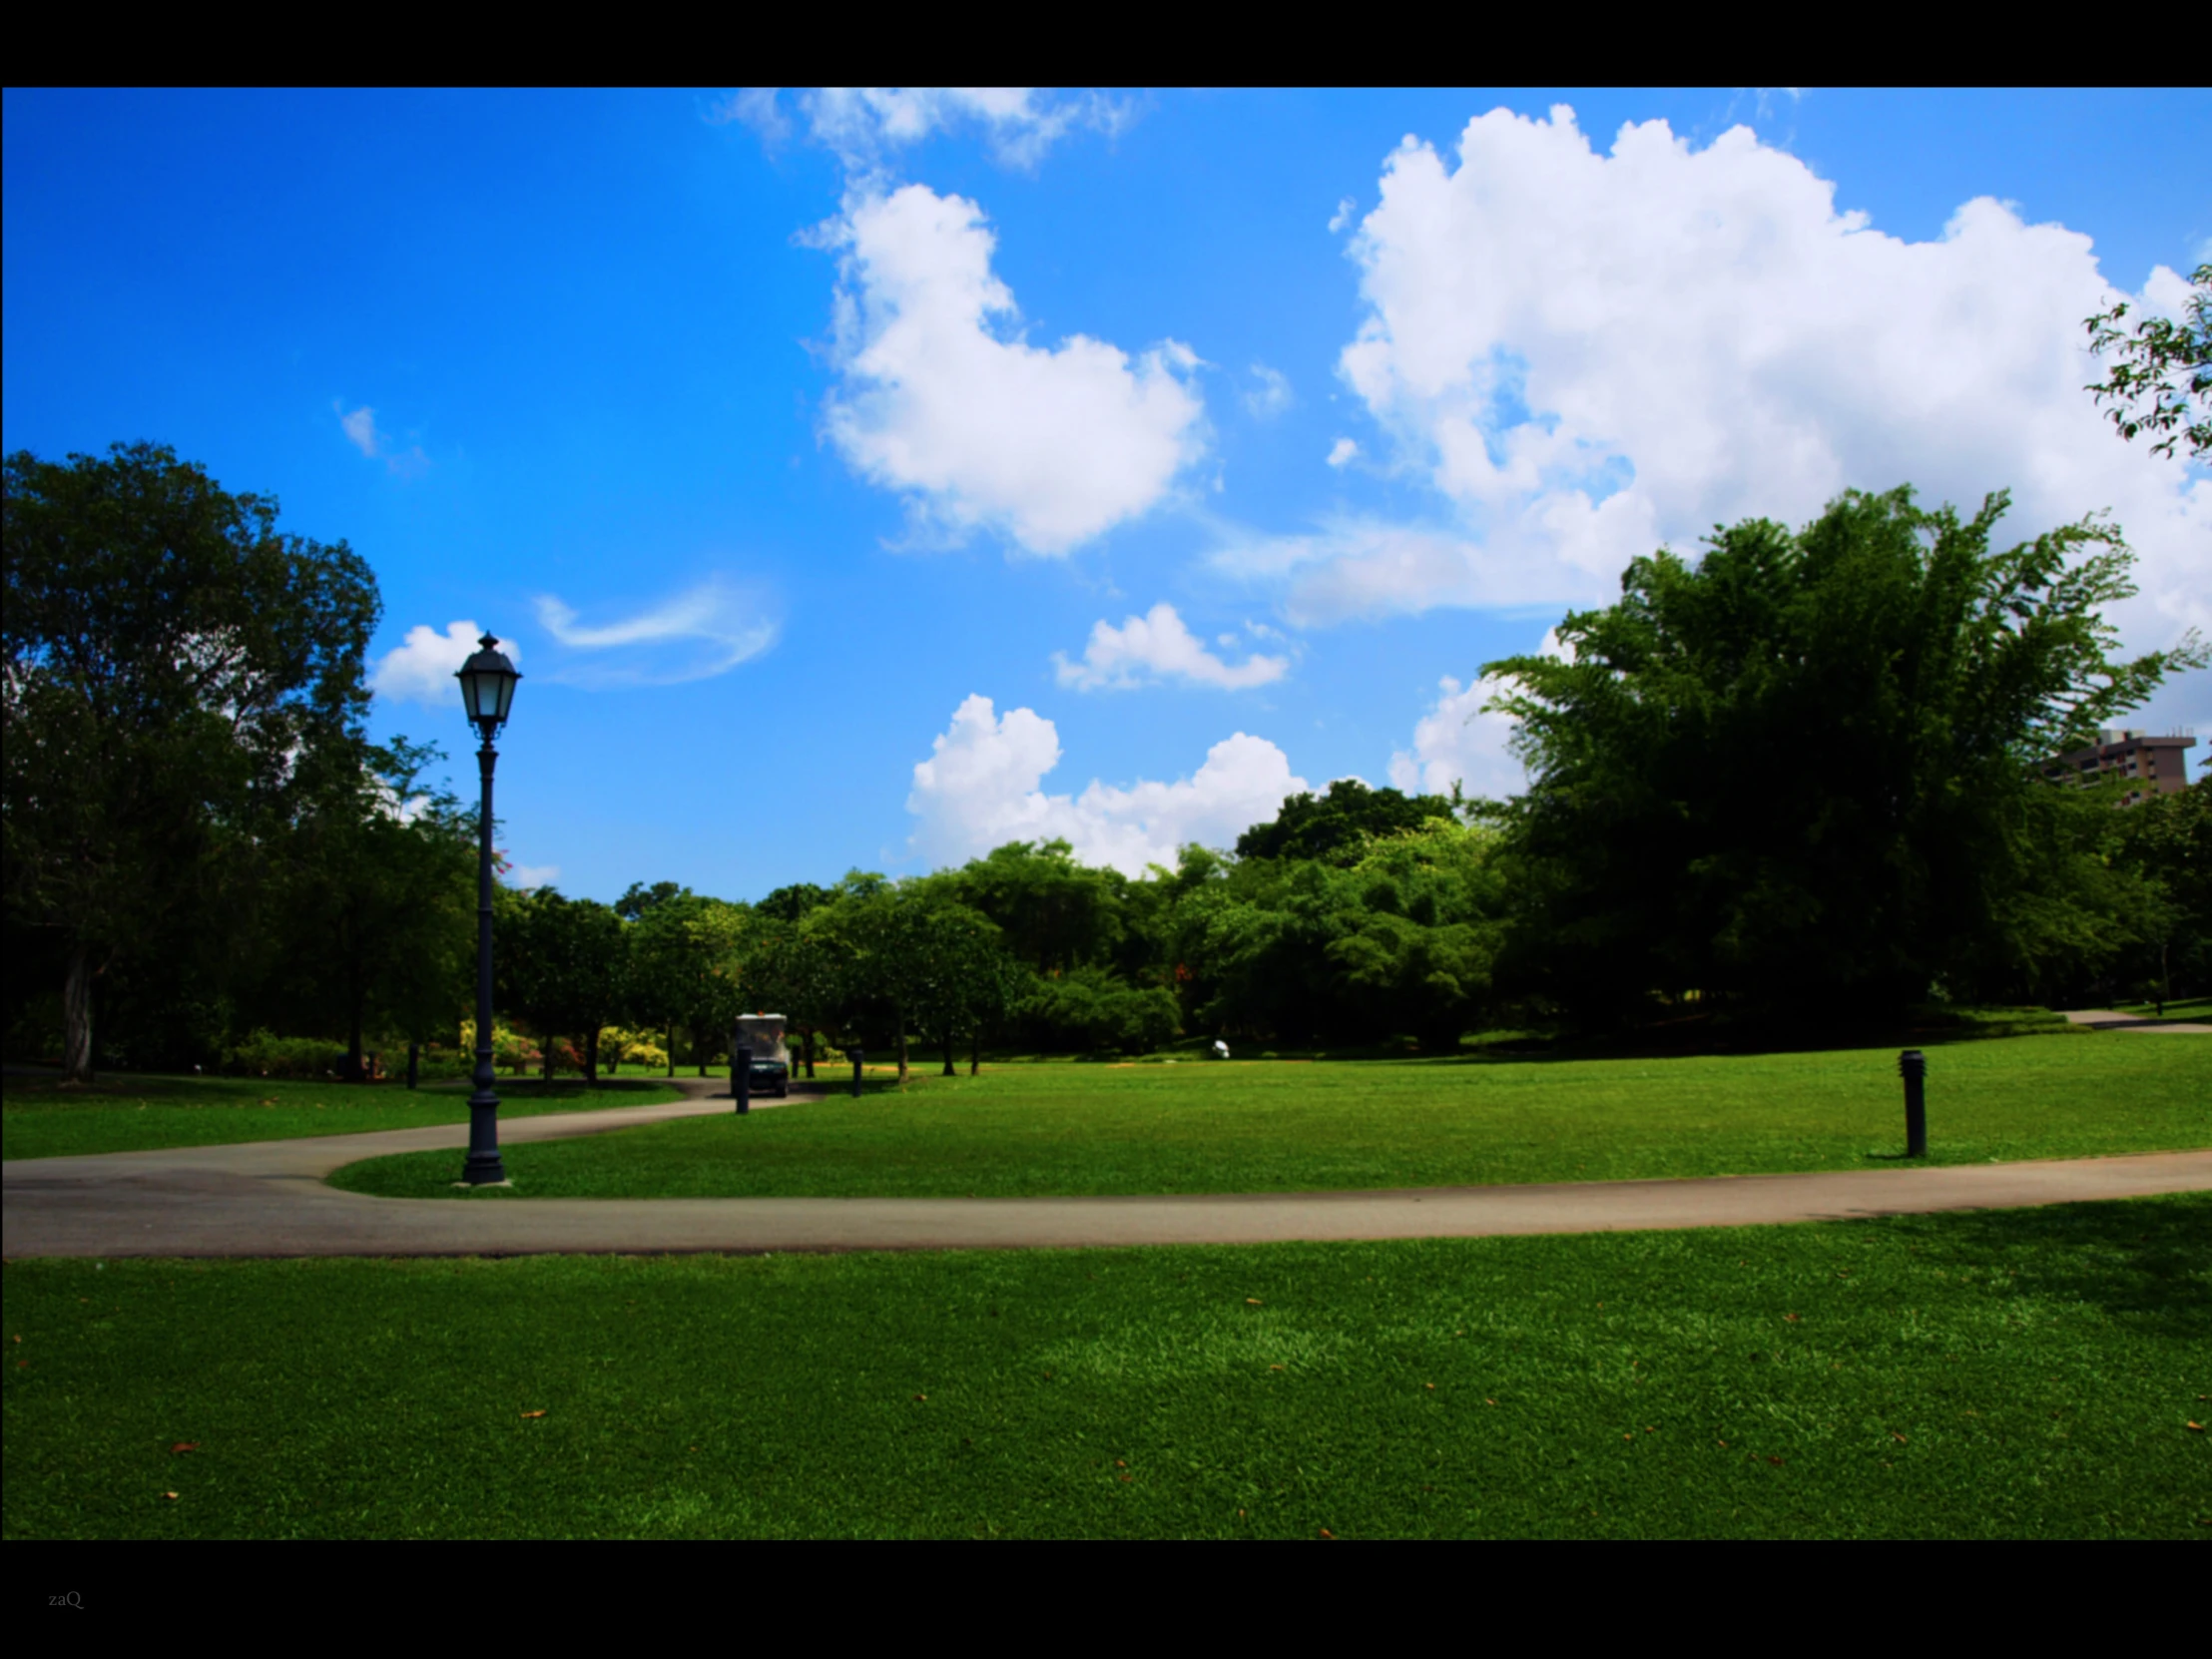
(740, 1077)
(1912, 1068)
(860, 1058)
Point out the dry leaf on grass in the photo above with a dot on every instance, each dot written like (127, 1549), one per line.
(1252, 1302)
(1324, 1532)
(533, 1413)
(1900, 1439)
(168, 1494)
(184, 1445)
(2198, 1426)
(921, 1396)
(1792, 1317)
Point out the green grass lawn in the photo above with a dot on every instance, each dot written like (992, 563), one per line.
(1287, 1127)
(2005, 1373)
(41, 1119)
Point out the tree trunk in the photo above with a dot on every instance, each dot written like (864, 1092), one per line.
(807, 1051)
(975, 1051)
(948, 1071)
(591, 1058)
(414, 1056)
(698, 1050)
(77, 1017)
(902, 1048)
(545, 1056)
(672, 1048)
(356, 1072)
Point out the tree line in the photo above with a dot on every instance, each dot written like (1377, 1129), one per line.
(1797, 781)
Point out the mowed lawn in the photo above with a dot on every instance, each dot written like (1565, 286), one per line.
(1276, 1125)
(2013, 1374)
(121, 1113)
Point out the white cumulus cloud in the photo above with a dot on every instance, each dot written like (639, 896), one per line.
(700, 633)
(1456, 743)
(944, 401)
(982, 787)
(1158, 646)
(527, 877)
(1343, 453)
(421, 666)
(1589, 353)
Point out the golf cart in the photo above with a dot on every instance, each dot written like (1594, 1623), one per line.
(771, 1061)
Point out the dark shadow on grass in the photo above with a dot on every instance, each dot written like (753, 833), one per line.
(2145, 1261)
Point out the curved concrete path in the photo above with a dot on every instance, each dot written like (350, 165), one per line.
(2111, 1019)
(267, 1198)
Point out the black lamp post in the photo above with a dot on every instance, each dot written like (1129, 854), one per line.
(487, 691)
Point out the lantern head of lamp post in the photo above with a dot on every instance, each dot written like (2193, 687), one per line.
(488, 687)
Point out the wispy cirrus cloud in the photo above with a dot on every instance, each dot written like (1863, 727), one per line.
(362, 432)
(864, 125)
(705, 631)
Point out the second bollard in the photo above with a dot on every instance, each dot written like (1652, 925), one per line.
(860, 1058)
(740, 1077)
(1912, 1068)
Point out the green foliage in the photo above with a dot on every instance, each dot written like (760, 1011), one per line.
(1340, 824)
(2160, 380)
(176, 667)
(564, 965)
(1806, 770)
(2165, 845)
(1396, 934)
(1089, 1010)
(375, 926)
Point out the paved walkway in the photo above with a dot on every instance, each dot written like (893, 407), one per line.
(2111, 1019)
(267, 1198)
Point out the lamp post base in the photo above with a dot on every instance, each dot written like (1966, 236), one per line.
(483, 1168)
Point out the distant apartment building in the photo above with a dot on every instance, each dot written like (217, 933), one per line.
(2149, 765)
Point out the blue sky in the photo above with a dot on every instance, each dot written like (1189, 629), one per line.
(781, 431)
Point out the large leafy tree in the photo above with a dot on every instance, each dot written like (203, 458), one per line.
(172, 660)
(1806, 771)
(1401, 940)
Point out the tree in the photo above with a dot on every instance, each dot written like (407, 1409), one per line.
(1340, 823)
(564, 962)
(1054, 912)
(638, 899)
(1806, 771)
(173, 660)
(2160, 380)
(2166, 843)
(377, 906)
